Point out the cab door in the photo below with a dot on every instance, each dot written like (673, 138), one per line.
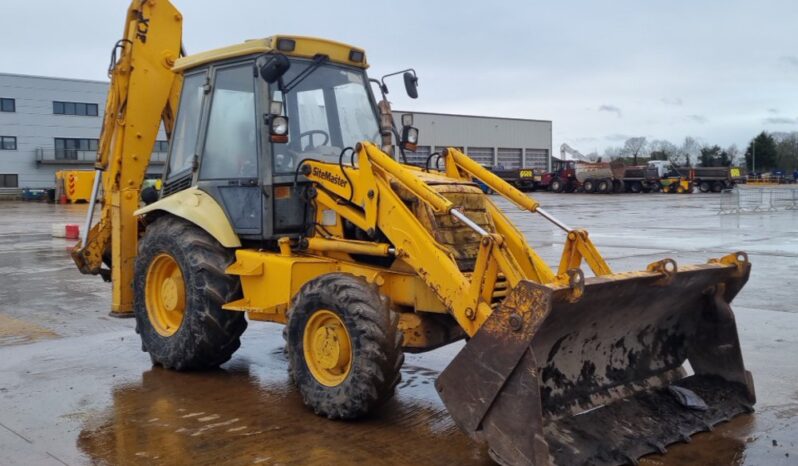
(229, 160)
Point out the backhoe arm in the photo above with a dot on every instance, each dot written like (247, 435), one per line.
(143, 93)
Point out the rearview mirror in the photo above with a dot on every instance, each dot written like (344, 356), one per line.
(274, 68)
(411, 84)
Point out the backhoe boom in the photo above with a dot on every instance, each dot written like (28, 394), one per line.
(143, 93)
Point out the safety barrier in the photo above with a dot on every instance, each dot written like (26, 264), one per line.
(752, 199)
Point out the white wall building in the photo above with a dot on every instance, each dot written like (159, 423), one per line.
(49, 124)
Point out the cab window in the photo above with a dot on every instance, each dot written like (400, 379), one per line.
(184, 137)
(231, 149)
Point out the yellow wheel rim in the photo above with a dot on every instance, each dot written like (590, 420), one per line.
(327, 348)
(165, 294)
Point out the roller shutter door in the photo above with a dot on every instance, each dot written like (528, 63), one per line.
(440, 148)
(537, 159)
(483, 155)
(509, 158)
(419, 157)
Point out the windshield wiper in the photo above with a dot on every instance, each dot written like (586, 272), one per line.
(318, 60)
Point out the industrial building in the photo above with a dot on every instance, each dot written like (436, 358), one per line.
(492, 141)
(49, 124)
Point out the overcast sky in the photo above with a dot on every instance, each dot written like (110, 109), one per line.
(600, 70)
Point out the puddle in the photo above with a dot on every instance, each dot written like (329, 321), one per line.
(239, 417)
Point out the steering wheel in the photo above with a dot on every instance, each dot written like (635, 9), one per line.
(310, 134)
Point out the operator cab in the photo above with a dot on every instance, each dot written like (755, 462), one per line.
(251, 113)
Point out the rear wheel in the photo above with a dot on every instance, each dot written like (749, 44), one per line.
(180, 287)
(604, 186)
(344, 348)
(589, 186)
(704, 187)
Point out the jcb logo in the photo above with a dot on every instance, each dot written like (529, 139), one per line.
(142, 26)
(526, 174)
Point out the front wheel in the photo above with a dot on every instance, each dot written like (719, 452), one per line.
(180, 287)
(557, 186)
(344, 347)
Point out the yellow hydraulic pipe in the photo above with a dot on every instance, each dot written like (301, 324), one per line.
(349, 246)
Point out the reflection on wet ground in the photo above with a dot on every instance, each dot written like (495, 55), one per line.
(241, 416)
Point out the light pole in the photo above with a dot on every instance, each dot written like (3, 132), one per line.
(753, 156)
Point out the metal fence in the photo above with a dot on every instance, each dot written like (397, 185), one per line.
(752, 199)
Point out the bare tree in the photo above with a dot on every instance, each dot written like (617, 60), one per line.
(613, 152)
(735, 156)
(689, 151)
(635, 147)
(660, 149)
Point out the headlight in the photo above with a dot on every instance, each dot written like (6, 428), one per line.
(412, 136)
(279, 126)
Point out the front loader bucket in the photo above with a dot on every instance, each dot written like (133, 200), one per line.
(549, 379)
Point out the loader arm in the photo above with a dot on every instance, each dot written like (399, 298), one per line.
(502, 254)
(143, 93)
(555, 345)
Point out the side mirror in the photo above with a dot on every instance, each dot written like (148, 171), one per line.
(411, 84)
(274, 68)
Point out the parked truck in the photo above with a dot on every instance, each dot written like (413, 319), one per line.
(715, 179)
(599, 177)
(588, 173)
(521, 178)
(640, 179)
(706, 179)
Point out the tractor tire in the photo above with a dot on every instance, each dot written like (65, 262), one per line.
(180, 287)
(636, 187)
(704, 187)
(589, 186)
(604, 187)
(717, 187)
(556, 186)
(344, 347)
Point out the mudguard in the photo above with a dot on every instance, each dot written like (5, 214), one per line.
(199, 208)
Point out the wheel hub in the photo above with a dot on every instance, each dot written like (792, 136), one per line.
(165, 294)
(327, 348)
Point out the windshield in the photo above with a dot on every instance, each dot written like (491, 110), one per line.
(327, 111)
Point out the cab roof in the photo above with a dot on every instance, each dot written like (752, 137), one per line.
(292, 46)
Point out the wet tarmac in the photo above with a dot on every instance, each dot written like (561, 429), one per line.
(75, 387)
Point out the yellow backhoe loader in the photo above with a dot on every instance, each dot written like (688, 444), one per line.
(282, 202)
